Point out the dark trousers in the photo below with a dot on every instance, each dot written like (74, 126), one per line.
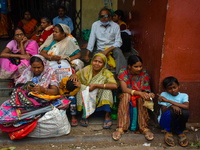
(172, 122)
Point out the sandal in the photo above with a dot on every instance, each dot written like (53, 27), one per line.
(85, 124)
(148, 134)
(118, 135)
(183, 141)
(106, 122)
(169, 140)
(74, 122)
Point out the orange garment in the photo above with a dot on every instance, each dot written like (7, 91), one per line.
(30, 27)
(5, 25)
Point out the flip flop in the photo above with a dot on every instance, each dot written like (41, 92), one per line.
(183, 141)
(74, 123)
(169, 137)
(106, 122)
(148, 136)
(118, 135)
(84, 124)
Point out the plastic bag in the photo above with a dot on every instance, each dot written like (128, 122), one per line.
(54, 123)
(61, 70)
(149, 105)
(78, 64)
(89, 101)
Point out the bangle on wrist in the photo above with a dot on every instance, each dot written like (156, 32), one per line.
(132, 92)
(104, 86)
(46, 90)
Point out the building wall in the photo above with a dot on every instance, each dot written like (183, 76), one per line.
(90, 10)
(181, 55)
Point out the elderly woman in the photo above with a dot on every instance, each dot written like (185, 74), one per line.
(40, 73)
(96, 76)
(60, 45)
(15, 57)
(44, 30)
(134, 81)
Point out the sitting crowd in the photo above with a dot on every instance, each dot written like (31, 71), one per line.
(37, 60)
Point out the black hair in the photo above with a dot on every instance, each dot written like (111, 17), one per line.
(120, 13)
(133, 59)
(106, 9)
(47, 19)
(70, 86)
(168, 81)
(60, 28)
(62, 7)
(17, 28)
(35, 59)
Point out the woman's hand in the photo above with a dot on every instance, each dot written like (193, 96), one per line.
(56, 58)
(25, 56)
(37, 89)
(24, 40)
(152, 95)
(92, 87)
(144, 95)
(76, 82)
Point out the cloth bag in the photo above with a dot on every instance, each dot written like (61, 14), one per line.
(89, 101)
(54, 123)
(61, 70)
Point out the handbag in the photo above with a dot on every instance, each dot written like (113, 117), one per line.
(14, 60)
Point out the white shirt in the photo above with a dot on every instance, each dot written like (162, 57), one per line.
(104, 37)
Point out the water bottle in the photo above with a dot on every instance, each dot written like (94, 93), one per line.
(115, 108)
(72, 105)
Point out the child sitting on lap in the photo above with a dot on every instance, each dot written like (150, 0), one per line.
(68, 87)
(175, 114)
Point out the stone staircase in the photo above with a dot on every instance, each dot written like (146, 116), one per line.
(5, 90)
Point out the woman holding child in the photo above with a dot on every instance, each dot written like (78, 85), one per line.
(96, 76)
(134, 81)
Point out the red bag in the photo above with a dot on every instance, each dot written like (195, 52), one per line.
(23, 132)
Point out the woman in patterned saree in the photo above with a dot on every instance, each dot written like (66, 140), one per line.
(134, 81)
(96, 76)
(15, 57)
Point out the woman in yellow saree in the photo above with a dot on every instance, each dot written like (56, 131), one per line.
(96, 76)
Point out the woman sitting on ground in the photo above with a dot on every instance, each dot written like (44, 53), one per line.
(15, 57)
(60, 45)
(29, 25)
(134, 81)
(96, 76)
(40, 73)
(44, 31)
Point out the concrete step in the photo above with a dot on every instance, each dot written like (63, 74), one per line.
(5, 92)
(3, 99)
(4, 87)
(5, 82)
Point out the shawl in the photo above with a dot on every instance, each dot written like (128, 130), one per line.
(63, 48)
(46, 78)
(85, 74)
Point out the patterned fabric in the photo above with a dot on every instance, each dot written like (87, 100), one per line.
(142, 84)
(46, 78)
(11, 71)
(104, 97)
(29, 27)
(126, 76)
(45, 34)
(63, 48)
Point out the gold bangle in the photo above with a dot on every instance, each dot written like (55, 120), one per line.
(104, 86)
(132, 92)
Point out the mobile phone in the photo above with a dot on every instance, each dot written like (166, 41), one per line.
(32, 85)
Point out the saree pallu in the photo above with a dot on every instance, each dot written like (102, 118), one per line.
(30, 27)
(11, 71)
(124, 113)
